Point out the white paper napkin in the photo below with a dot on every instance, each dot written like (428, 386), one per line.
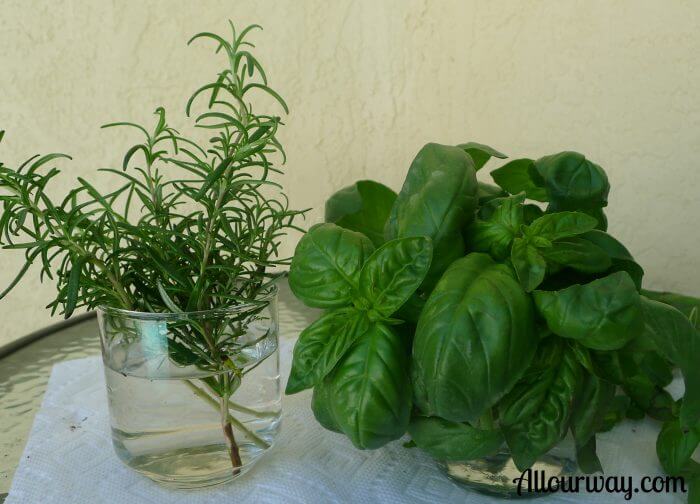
(69, 459)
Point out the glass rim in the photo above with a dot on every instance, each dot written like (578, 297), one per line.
(265, 297)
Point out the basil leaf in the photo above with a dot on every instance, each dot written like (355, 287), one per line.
(480, 153)
(583, 356)
(675, 447)
(687, 305)
(525, 398)
(474, 340)
(321, 407)
(578, 254)
(519, 176)
(487, 192)
(679, 342)
(437, 200)
(587, 458)
(321, 345)
(394, 272)
(560, 225)
(604, 314)
(370, 394)
(326, 266)
(590, 407)
(364, 207)
(529, 264)
(594, 213)
(620, 257)
(495, 234)
(573, 182)
(548, 412)
(644, 353)
(445, 440)
(656, 368)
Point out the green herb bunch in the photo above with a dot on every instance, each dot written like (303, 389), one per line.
(193, 226)
(484, 319)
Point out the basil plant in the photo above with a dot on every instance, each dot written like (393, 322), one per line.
(479, 317)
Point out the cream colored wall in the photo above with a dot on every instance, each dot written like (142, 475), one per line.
(369, 82)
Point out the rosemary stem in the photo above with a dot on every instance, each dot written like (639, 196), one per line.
(217, 206)
(255, 413)
(259, 442)
(232, 446)
(242, 409)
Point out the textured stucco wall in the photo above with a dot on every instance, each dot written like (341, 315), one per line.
(368, 83)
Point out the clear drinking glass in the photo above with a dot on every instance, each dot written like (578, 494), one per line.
(498, 476)
(194, 398)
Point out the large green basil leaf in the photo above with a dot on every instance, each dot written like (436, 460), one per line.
(687, 305)
(364, 207)
(370, 393)
(437, 200)
(480, 153)
(560, 225)
(548, 411)
(620, 257)
(578, 254)
(474, 340)
(573, 182)
(321, 345)
(321, 406)
(675, 447)
(495, 234)
(393, 273)
(676, 339)
(529, 264)
(445, 440)
(603, 315)
(325, 270)
(519, 176)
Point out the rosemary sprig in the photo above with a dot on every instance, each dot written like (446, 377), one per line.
(193, 226)
(200, 222)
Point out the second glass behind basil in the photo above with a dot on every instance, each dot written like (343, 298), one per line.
(194, 398)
